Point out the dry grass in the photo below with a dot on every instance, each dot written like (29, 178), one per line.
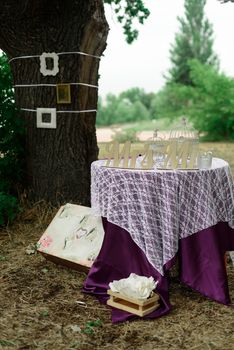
(39, 309)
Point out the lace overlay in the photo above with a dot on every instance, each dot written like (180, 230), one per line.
(158, 207)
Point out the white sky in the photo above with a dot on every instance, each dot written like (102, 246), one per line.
(143, 63)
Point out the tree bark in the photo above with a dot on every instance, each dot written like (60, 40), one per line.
(58, 160)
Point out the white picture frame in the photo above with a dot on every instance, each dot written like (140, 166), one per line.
(52, 124)
(43, 65)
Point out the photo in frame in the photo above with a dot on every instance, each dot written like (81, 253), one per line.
(63, 93)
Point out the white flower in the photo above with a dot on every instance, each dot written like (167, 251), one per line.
(135, 286)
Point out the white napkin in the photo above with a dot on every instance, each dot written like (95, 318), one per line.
(137, 287)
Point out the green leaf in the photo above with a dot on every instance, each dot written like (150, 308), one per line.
(4, 342)
(11, 146)
(127, 11)
(44, 313)
(44, 270)
(96, 323)
(3, 258)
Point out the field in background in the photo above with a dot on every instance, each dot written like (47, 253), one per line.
(106, 134)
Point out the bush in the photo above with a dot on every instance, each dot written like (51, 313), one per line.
(8, 208)
(172, 101)
(212, 104)
(129, 106)
(11, 146)
(126, 135)
(208, 103)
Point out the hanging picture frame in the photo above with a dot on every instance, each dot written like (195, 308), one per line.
(49, 63)
(63, 93)
(46, 118)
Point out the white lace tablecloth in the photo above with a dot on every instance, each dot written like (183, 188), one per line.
(159, 207)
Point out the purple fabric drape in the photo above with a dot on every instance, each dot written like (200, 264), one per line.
(120, 256)
(201, 260)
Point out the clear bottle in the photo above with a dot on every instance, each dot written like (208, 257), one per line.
(158, 145)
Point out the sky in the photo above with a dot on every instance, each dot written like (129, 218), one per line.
(143, 63)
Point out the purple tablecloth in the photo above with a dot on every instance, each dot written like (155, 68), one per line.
(160, 207)
(201, 265)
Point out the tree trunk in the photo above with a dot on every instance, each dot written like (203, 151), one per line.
(58, 160)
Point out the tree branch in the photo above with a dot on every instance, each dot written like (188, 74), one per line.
(223, 1)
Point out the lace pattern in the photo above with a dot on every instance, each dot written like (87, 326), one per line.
(159, 207)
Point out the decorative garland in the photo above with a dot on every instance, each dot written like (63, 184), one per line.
(35, 85)
(81, 111)
(59, 53)
(62, 90)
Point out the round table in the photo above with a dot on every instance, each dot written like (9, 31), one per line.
(159, 207)
(152, 216)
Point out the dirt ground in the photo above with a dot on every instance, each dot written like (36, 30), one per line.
(42, 306)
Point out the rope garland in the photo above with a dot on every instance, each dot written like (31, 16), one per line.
(59, 53)
(78, 112)
(36, 85)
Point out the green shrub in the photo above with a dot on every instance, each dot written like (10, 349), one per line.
(11, 146)
(129, 106)
(126, 135)
(8, 208)
(208, 103)
(212, 104)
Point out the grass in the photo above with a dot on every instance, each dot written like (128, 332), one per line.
(42, 306)
(149, 125)
(162, 124)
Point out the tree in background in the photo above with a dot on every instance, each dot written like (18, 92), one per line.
(138, 94)
(195, 88)
(211, 103)
(129, 106)
(172, 100)
(58, 160)
(194, 41)
(208, 102)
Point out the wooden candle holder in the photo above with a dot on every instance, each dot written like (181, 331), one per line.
(140, 307)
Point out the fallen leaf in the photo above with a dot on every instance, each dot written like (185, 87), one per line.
(75, 328)
(31, 249)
